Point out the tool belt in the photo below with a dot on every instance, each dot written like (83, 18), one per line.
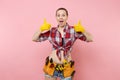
(67, 68)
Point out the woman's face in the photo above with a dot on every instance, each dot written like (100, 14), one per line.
(61, 17)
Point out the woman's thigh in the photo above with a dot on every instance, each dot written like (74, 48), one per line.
(47, 77)
(67, 78)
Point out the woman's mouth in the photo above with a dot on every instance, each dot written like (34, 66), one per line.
(61, 22)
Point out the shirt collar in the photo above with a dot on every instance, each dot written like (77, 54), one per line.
(65, 27)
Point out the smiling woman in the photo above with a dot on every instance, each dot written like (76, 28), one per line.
(59, 63)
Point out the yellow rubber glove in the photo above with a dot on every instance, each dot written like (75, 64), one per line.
(78, 27)
(45, 26)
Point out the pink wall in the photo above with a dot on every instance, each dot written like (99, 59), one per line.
(22, 59)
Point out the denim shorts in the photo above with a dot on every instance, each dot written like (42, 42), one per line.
(58, 74)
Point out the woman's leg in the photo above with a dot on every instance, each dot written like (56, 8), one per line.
(67, 78)
(50, 78)
(47, 77)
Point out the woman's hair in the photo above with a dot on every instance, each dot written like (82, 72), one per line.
(62, 9)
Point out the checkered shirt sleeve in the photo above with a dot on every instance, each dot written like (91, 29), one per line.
(44, 36)
(80, 36)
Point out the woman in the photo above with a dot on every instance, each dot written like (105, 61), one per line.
(59, 63)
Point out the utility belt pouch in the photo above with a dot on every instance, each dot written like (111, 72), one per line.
(49, 67)
(69, 69)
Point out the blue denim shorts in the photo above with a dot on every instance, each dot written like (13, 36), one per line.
(60, 75)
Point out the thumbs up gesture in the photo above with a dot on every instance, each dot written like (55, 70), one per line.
(46, 26)
(78, 27)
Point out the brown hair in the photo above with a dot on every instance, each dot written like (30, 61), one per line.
(62, 9)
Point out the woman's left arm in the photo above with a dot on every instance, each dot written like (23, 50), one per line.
(88, 36)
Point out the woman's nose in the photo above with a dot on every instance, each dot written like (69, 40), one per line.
(61, 17)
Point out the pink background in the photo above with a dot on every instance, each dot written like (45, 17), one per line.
(22, 59)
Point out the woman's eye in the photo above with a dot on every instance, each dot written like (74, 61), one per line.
(58, 15)
(63, 15)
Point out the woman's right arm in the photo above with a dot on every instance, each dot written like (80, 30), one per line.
(36, 35)
(43, 33)
(40, 35)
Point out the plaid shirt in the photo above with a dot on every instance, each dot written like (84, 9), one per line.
(62, 43)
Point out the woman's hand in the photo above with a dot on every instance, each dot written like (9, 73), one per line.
(45, 27)
(78, 27)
